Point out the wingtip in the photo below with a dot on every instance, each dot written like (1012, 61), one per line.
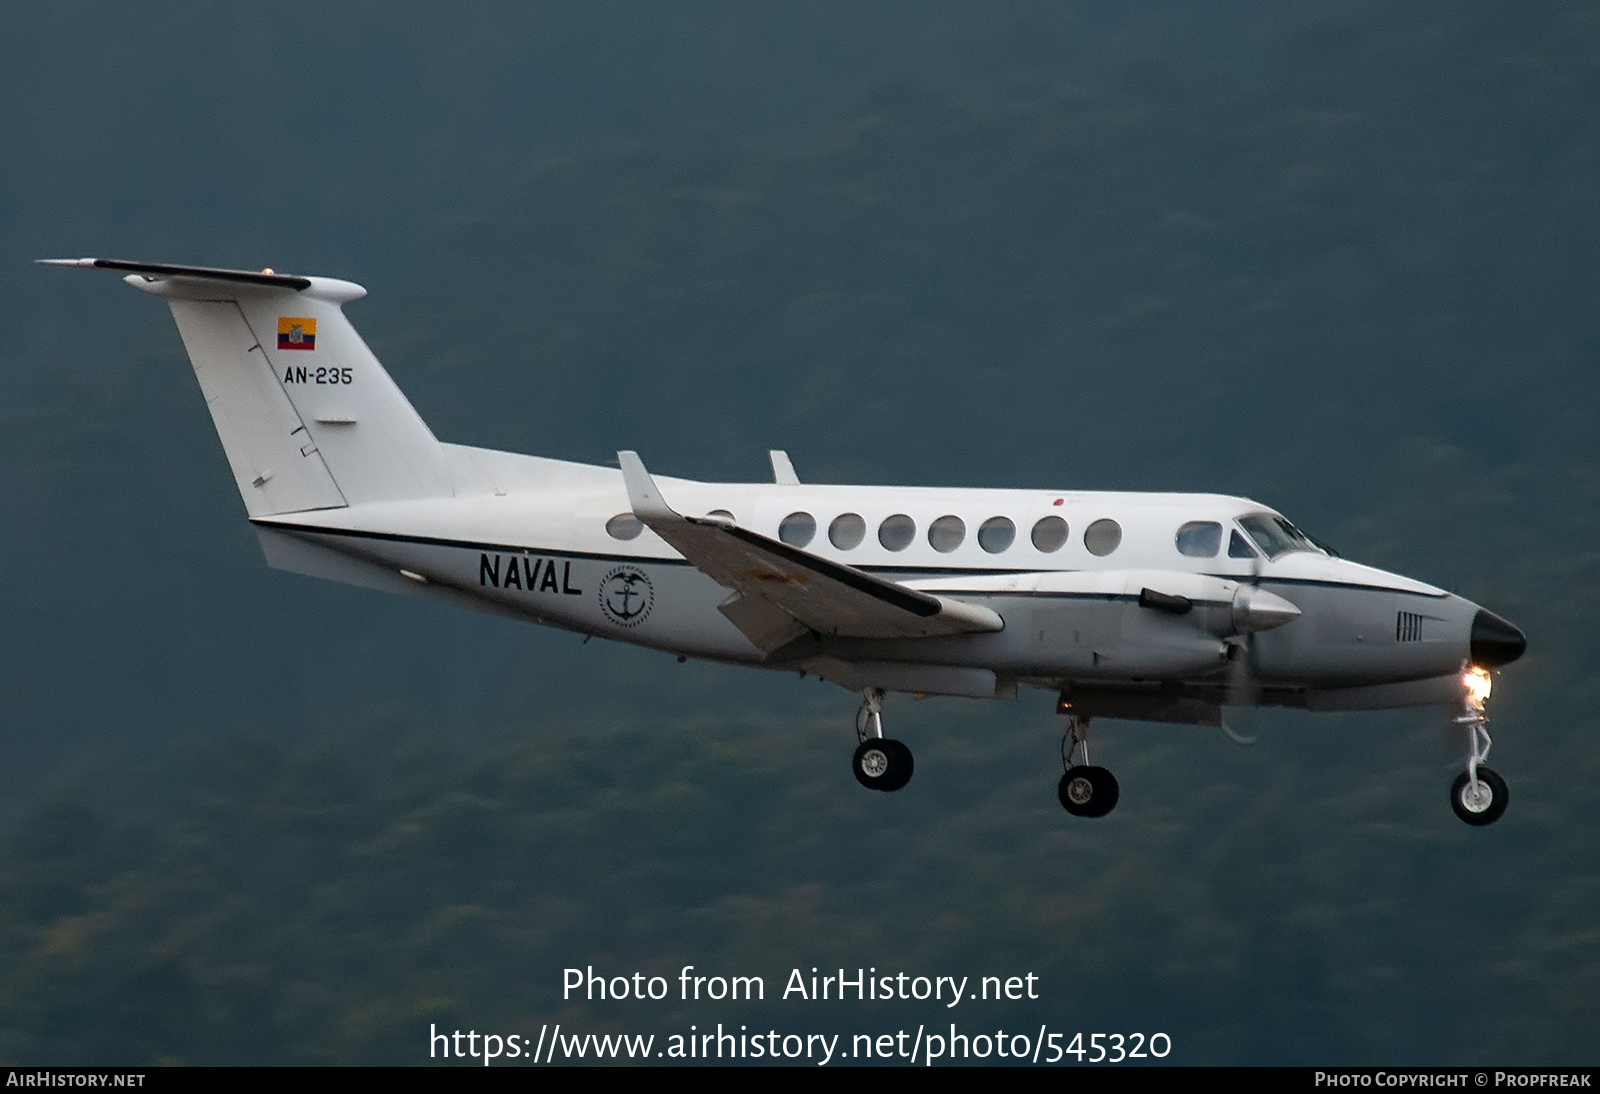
(64, 261)
(643, 496)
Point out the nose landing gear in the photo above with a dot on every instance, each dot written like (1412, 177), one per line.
(1479, 795)
(880, 763)
(1085, 791)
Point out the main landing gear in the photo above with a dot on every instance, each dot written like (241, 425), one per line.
(880, 763)
(1479, 795)
(1085, 791)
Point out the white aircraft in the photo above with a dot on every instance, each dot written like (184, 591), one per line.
(1160, 607)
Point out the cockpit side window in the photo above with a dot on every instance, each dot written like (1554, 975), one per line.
(1200, 539)
(1274, 535)
(1238, 548)
(1308, 544)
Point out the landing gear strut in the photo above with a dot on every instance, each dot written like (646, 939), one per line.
(880, 763)
(1085, 791)
(1479, 795)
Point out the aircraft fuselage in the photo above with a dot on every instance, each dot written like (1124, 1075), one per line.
(533, 542)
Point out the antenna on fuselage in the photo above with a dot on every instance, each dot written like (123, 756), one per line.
(782, 468)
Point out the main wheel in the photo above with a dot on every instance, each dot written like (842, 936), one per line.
(882, 764)
(1088, 791)
(1487, 804)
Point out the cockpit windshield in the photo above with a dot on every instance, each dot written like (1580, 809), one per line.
(1276, 536)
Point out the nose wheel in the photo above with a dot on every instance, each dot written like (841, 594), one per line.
(1479, 795)
(1085, 790)
(1479, 801)
(880, 763)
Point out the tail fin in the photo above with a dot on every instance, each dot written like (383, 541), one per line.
(307, 416)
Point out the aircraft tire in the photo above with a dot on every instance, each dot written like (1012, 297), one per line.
(1479, 814)
(1088, 791)
(882, 764)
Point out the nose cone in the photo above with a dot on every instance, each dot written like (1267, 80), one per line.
(1258, 610)
(1494, 641)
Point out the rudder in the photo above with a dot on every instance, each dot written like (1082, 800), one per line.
(308, 417)
(276, 463)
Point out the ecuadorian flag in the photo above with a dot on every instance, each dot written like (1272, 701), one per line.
(296, 333)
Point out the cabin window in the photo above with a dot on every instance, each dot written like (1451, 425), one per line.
(847, 531)
(1200, 539)
(624, 526)
(897, 532)
(1049, 534)
(946, 534)
(1102, 537)
(797, 529)
(1238, 548)
(997, 533)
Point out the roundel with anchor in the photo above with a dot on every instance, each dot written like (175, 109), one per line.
(626, 596)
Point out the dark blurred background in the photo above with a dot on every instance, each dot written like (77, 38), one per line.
(1339, 257)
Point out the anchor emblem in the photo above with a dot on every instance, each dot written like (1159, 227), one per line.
(626, 596)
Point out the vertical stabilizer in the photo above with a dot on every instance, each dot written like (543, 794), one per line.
(307, 416)
(275, 461)
(375, 444)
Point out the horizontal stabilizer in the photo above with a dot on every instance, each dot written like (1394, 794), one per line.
(205, 273)
(827, 597)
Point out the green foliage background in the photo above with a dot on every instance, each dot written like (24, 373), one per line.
(1339, 257)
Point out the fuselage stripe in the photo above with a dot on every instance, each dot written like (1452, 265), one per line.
(906, 571)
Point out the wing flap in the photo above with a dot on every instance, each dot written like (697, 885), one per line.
(764, 623)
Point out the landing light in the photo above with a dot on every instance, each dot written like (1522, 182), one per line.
(1476, 683)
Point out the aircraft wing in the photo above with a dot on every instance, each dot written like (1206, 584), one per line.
(781, 592)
